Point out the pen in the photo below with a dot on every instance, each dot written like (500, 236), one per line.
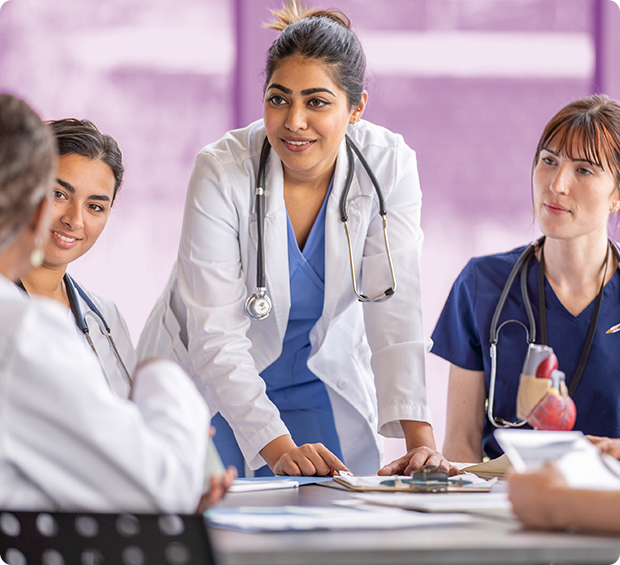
(613, 329)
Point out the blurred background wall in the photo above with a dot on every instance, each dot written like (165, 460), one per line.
(469, 83)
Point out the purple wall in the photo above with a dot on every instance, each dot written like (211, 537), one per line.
(469, 83)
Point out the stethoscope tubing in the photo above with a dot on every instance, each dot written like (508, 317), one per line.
(258, 305)
(74, 289)
(521, 264)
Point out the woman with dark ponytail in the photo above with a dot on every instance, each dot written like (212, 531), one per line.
(308, 388)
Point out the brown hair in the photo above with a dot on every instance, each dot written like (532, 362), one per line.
(27, 165)
(591, 126)
(324, 35)
(81, 137)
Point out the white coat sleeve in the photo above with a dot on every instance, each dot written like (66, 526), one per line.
(212, 286)
(394, 328)
(62, 429)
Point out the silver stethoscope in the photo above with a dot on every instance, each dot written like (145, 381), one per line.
(74, 291)
(258, 305)
(522, 265)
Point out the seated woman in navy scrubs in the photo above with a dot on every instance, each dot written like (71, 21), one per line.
(576, 178)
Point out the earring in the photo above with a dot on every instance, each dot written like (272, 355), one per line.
(38, 253)
(616, 207)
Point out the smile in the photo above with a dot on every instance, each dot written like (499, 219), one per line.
(297, 145)
(64, 237)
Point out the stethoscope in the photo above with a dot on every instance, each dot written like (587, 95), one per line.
(258, 305)
(522, 265)
(73, 291)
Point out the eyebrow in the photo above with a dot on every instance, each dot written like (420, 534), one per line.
(306, 92)
(71, 189)
(574, 160)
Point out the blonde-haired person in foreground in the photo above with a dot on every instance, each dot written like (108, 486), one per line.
(65, 443)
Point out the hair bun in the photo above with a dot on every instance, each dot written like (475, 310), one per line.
(295, 11)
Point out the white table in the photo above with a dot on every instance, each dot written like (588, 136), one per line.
(487, 540)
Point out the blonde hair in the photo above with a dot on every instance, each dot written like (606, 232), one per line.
(295, 10)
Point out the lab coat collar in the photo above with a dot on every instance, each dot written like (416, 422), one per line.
(337, 269)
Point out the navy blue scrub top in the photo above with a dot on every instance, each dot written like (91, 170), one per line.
(462, 338)
(300, 396)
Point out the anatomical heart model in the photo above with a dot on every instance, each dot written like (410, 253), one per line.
(543, 398)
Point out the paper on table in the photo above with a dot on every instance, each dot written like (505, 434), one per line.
(445, 502)
(286, 518)
(578, 459)
(498, 467)
(241, 485)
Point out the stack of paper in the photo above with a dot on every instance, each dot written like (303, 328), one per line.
(285, 518)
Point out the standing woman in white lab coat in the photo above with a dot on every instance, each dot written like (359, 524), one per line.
(90, 173)
(65, 443)
(306, 389)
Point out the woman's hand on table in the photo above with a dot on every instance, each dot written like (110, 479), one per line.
(308, 460)
(415, 459)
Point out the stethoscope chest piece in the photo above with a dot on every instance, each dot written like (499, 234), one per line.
(258, 305)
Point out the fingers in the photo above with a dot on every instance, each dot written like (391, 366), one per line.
(308, 460)
(422, 456)
(396, 467)
(416, 459)
(218, 486)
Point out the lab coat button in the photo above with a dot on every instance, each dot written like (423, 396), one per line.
(342, 383)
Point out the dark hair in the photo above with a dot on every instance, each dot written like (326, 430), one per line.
(591, 126)
(319, 34)
(27, 165)
(82, 137)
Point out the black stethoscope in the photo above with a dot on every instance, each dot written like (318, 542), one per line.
(258, 305)
(73, 292)
(522, 265)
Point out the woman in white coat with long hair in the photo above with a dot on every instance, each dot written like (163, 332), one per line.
(307, 389)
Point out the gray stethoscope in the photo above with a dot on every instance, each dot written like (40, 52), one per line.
(258, 305)
(522, 265)
(73, 291)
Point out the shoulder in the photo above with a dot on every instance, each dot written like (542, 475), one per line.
(378, 142)
(106, 306)
(26, 319)
(236, 146)
(492, 266)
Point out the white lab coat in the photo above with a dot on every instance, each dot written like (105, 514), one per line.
(113, 372)
(370, 357)
(66, 444)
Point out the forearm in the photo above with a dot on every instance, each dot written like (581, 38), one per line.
(418, 434)
(587, 509)
(462, 448)
(274, 450)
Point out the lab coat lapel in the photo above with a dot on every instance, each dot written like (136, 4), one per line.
(337, 269)
(276, 248)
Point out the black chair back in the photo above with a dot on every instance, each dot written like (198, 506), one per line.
(66, 538)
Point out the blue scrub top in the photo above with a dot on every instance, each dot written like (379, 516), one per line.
(462, 337)
(300, 396)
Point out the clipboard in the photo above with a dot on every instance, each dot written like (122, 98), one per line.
(402, 484)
